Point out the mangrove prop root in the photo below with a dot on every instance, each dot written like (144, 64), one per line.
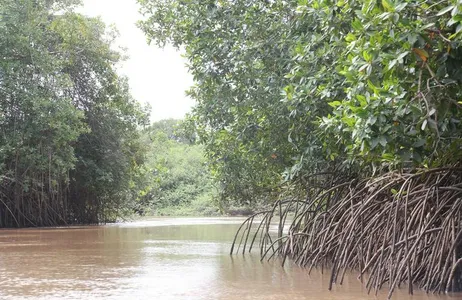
(399, 228)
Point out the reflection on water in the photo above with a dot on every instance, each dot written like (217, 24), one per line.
(155, 259)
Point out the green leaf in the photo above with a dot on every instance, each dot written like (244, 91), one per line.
(402, 55)
(335, 104)
(445, 10)
(457, 18)
(458, 28)
(424, 125)
(350, 37)
(382, 140)
(362, 99)
(388, 5)
(401, 6)
(367, 56)
(432, 124)
(357, 25)
(392, 64)
(419, 143)
(363, 67)
(374, 143)
(388, 157)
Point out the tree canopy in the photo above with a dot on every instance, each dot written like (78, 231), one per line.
(68, 142)
(299, 87)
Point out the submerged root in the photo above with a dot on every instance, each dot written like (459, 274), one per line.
(394, 229)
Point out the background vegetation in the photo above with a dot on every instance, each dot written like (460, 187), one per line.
(179, 181)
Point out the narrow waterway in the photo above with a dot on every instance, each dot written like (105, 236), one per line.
(155, 259)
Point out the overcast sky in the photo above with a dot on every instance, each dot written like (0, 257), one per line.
(157, 76)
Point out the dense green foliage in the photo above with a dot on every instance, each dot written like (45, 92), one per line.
(302, 87)
(179, 182)
(69, 148)
(395, 88)
(238, 58)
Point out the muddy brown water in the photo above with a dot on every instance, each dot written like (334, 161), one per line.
(156, 259)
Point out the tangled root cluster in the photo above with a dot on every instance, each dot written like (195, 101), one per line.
(399, 228)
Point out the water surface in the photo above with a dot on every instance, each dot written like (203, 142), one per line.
(155, 259)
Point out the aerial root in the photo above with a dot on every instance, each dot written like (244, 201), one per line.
(393, 229)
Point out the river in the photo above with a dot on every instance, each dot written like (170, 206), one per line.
(161, 258)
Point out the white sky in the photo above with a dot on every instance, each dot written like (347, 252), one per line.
(156, 76)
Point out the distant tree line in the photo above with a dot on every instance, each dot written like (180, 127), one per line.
(177, 178)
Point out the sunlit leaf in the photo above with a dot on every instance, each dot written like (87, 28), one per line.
(445, 10)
